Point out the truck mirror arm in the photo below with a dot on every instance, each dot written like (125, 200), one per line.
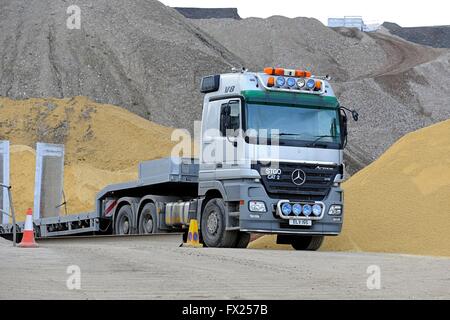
(355, 114)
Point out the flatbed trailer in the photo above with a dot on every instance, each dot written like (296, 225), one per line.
(160, 181)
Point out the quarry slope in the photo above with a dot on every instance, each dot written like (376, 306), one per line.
(397, 86)
(103, 145)
(398, 204)
(437, 37)
(139, 54)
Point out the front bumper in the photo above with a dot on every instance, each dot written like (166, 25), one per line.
(270, 222)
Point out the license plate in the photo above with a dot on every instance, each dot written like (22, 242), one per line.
(307, 223)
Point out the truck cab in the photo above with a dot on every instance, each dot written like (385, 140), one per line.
(271, 162)
(271, 158)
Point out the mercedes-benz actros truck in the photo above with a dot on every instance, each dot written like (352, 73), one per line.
(271, 162)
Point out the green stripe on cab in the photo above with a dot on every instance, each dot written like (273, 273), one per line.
(305, 99)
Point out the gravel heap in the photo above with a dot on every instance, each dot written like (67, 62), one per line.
(397, 86)
(140, 54)
(209, 13)
(437, 37)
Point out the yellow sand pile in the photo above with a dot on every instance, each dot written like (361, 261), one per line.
(103, 145)
(400, 203)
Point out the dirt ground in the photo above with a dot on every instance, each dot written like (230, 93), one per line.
(159, 269)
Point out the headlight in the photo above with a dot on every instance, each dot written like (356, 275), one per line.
(310, 84)
(297, 209)
(257, 206)
(307, 210)
(281, 81)
(301, 83)
(335, 210)
(286, 209)
(317, 210)
(291, 82)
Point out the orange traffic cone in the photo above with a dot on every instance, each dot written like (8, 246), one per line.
(193, 239)
(28, 233)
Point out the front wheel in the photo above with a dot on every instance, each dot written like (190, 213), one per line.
(213, 226)
(243, 240)
(308, 243)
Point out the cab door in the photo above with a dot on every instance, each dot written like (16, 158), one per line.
(221, 139)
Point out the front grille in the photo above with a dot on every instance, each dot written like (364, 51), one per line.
(319, 180)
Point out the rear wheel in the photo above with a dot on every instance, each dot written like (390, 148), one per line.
(148, 222)
(308, 243)
(124, 221)
(213, 226)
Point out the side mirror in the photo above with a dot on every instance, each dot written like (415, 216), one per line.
(355, 114)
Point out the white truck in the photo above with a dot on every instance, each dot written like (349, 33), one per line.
(285, 131)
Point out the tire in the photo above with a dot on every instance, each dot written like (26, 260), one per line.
(37, 231)
(124, 221)
(243, 240)
(307, 243)
(213, 226)
(148, 222)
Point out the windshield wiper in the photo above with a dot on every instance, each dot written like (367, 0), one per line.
(314, 143)
(289, 134)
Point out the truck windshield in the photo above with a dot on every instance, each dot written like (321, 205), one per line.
(294, 125)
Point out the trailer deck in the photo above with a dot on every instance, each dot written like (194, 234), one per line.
(159, 177)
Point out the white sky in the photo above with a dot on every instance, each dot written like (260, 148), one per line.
(407, 13)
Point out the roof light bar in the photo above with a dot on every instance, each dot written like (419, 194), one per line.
(286, 72)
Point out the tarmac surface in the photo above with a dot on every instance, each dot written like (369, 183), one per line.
(157, 268)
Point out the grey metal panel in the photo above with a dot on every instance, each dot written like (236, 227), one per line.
(69, 218)
(49, 177)
(169, 170)
(159, 171)
(4, 179)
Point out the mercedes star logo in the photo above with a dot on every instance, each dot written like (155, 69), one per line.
(298, 177)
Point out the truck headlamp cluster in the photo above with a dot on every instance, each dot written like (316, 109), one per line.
(299, 209)
(257, 206)
(293, 79)
(335, 210)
